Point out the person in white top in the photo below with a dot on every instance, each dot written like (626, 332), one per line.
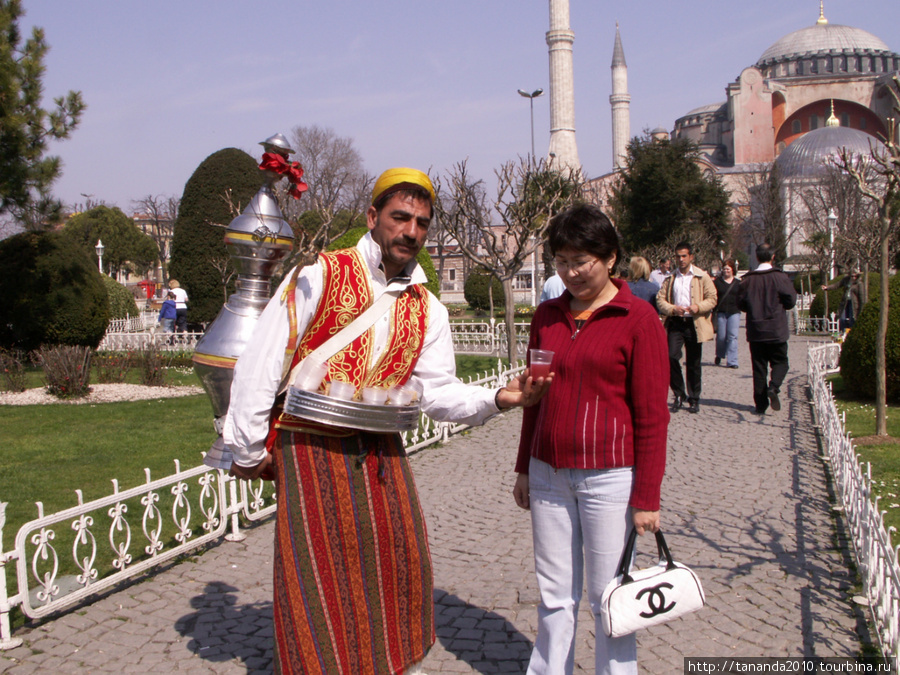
(686, 300)
(660, 274)
(553, 288)
(181, 300)
(352, 566)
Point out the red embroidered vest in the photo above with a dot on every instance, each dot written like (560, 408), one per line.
(347, 293)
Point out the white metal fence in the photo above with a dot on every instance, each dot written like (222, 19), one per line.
(876, 556)
(124, 342)
(120, 536)
(483, 337)
(487, 338)
(815, 324)
(134, 324)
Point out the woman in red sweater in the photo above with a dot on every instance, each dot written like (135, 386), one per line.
(592, 454)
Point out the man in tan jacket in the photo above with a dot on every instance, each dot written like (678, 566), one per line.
(686, 299)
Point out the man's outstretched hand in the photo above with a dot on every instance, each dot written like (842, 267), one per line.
(524, 390)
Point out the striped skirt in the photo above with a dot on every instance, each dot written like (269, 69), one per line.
(353, 577)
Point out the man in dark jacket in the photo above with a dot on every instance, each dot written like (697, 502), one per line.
(765, 294)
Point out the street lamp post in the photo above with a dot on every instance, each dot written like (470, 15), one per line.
(832, 221)
(533, 95)
(99, 248)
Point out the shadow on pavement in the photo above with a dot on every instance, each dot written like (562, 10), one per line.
(221, 629)
(479, 637)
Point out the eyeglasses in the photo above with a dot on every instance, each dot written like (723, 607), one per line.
(579, 267)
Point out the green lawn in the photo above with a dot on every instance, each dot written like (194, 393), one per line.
(884, 457)
(50, 451)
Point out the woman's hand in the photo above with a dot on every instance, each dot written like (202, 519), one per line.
(251, 472)
(646, 521)
(520, 491)
(524, 390)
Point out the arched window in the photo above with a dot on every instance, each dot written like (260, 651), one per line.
(796, 127)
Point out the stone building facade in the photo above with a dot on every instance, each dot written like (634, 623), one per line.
(825, 71)
(789, 91)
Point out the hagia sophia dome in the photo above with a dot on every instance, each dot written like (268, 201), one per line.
(813, 94)
(791, 90)
(822, 38)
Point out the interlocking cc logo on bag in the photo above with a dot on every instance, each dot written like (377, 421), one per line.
(656, 600)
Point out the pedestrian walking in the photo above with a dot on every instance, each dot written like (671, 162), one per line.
(765, 294)
(181, 303)
(586, 490)
(660, 274)
(167, 313)
(639, 280)
(686, 300)
(553, 288)
(727, 315)
(851, 301)
(353, 574)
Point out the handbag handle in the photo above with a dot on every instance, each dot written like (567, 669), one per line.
(628, 554)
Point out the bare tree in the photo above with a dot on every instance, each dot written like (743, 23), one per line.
(760, 208)
(222, 265)
(878, 178)
(856, 230)
(528, 195)
(453, 229)
(338, 191)
(159, 212)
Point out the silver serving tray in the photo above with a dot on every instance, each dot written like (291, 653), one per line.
(351, 414)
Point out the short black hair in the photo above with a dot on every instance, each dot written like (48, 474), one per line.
(584, 228)
(764, 253)
(684, 246)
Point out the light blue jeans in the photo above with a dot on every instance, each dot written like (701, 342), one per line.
(580, 520)
(727, 337)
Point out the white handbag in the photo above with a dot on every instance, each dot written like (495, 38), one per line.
(635, 600)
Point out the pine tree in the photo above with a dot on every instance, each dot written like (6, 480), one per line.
(663, 191)
(26, 175)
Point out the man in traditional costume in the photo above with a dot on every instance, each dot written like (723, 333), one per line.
(353, 575)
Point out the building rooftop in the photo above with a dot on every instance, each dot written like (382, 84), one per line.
(809, 155)
(822, 38)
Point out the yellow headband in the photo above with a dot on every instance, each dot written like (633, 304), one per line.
(395, 177)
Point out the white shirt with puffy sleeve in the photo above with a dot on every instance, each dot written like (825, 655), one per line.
(258, 372)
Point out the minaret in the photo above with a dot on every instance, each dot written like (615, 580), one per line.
(620, 101)
(563, 151)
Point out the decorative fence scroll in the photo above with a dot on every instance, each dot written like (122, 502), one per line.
(876, 556)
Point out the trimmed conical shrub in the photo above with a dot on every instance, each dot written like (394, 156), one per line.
(477, 288)
(858, 352)
(198, 241)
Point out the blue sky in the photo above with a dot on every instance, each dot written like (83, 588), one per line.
(416, 83)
